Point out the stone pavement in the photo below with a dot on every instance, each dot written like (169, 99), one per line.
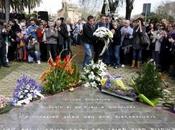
(86, 109)
(7, 84)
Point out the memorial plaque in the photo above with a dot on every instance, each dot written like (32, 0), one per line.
(86, 109)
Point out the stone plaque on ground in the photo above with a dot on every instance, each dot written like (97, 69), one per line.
(86, 109)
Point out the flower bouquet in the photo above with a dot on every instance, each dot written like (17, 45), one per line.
(4, 105)
(105, 35)
(93, 73)
(113, 85)
(26, 91)
(61, 75)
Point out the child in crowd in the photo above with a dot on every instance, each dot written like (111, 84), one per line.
(33, 50)
(21, 47)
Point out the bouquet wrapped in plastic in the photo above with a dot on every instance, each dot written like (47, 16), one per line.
(4, 104)
(105, 35)
(27, 90)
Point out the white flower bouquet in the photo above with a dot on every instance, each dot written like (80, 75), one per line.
(103, 32)
(105, 35)
(93, 73)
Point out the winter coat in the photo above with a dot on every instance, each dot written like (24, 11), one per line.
(62, 34)
(137, 37)
(88, 34)
(117, 37)
(51, 36)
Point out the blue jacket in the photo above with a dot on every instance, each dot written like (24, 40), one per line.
(31, 31)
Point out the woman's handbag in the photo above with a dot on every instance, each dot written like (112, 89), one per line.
(22, 44)
(144, 40)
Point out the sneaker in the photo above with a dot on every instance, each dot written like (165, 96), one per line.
(115, 67)
(39, 62)
(122, 65)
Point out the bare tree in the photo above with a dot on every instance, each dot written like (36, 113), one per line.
(111, 5)
(166, 8)
(7, 10)
(103, 11)
(90, 6)
(129, 8)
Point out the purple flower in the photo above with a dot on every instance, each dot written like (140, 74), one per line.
(25, 87)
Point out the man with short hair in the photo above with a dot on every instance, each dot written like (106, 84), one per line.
(31, 30)
(88, 39)
(126, 40)
(109, 22)
(102, 22)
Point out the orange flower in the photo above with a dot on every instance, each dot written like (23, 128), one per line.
(44, 74)
(65, 64)
(51, 62)
(69, 67)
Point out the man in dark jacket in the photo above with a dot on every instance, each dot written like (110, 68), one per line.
(88, 39)
(3, 60)
(62, 34)
(116, 44)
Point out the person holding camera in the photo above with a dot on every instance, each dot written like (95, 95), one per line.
(138, 42)
(51, 40)
(31, 30)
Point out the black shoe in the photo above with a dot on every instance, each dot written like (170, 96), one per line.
(6, 65)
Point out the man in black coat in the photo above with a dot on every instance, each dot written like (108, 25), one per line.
(3, 61)
(88, 40)
(62, 34)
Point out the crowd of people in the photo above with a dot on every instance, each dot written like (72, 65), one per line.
(134, 41)
(35, 40)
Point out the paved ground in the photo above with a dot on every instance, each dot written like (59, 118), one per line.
(7, 84)
(8, 76)
(86, 109)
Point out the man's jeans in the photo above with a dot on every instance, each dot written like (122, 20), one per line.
(88, 50)
(156, 57)
(117, 55)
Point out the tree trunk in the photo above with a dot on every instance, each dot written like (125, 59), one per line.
(128, 13)
(129, 8)
(29, 6)
(7, 10)
(113, 5)
(3, 6)
(103, 11)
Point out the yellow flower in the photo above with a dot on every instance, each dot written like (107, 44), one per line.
(103, 82)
